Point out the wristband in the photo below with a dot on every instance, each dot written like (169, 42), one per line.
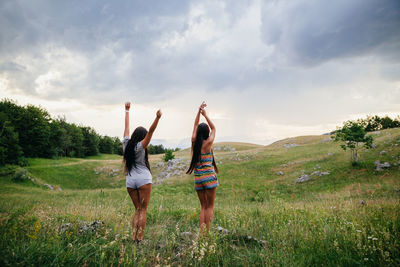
(127, 110)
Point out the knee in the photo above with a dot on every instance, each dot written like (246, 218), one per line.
(142, 210)
(210, 207)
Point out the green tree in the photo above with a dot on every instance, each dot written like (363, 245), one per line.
(106, 145)
(387, 123)
(168, 155)
(156, 149)
(10, 151)
(75, 147)
(117, 146)
(59, 138)
(90, 141)
(354, 137)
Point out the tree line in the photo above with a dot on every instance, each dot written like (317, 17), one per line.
(376, 123)
(159, 149)
(30, 131)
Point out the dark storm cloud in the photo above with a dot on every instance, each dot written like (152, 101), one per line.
(311, 31)
(45, 36)
(103, 50)
(83, 25)
(34, 35)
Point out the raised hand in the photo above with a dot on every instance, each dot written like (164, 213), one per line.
(203, 105)
(159, 113)
(127, 105)
(203, 112)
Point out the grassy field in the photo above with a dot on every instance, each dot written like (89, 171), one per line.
(350, 217)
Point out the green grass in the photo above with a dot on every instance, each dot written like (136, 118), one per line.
(348, 218)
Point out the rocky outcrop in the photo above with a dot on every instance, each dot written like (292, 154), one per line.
(112, 172)
(82, 227)
(224, 148)
(175, 167)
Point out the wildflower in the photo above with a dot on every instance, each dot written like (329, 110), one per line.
(359, 231)
(70, 245)
(374, 239)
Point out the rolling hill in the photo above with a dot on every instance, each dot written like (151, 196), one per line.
(342, 215)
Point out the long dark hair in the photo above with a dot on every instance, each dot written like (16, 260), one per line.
(203, 132)
(130, 150)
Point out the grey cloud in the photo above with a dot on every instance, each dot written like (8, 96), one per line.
(106, 50)
(83, 25)
(311, 32)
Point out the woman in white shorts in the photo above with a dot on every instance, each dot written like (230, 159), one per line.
(137, 169)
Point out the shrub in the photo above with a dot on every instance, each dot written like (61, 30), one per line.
(7, 170)
(168, 155)
(20, 175)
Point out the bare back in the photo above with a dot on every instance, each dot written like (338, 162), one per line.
(206, 146)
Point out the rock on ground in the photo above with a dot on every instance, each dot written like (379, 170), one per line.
(49, 186)
(222, 230)
(160, 164)
(280, 173)
(380, 166)
(83, 227)
(303, 178)
(319, 173)
(290, 145)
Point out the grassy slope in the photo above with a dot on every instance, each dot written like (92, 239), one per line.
(319, 222)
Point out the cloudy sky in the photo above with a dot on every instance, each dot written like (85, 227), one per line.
(267, 69)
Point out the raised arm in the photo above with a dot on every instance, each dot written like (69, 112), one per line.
(153, 127)
(196, 121)
(211, 138)
(127, 107)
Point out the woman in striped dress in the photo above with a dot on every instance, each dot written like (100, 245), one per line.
(204, 167)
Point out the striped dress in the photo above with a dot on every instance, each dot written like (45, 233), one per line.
(204, 173)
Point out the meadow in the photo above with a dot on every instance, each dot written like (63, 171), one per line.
(350, 217)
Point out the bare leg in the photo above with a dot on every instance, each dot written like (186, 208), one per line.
(134, 194)
(203, 203)
(209, 212)
(144, 197)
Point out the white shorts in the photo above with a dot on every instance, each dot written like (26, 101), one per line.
(136, 183)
